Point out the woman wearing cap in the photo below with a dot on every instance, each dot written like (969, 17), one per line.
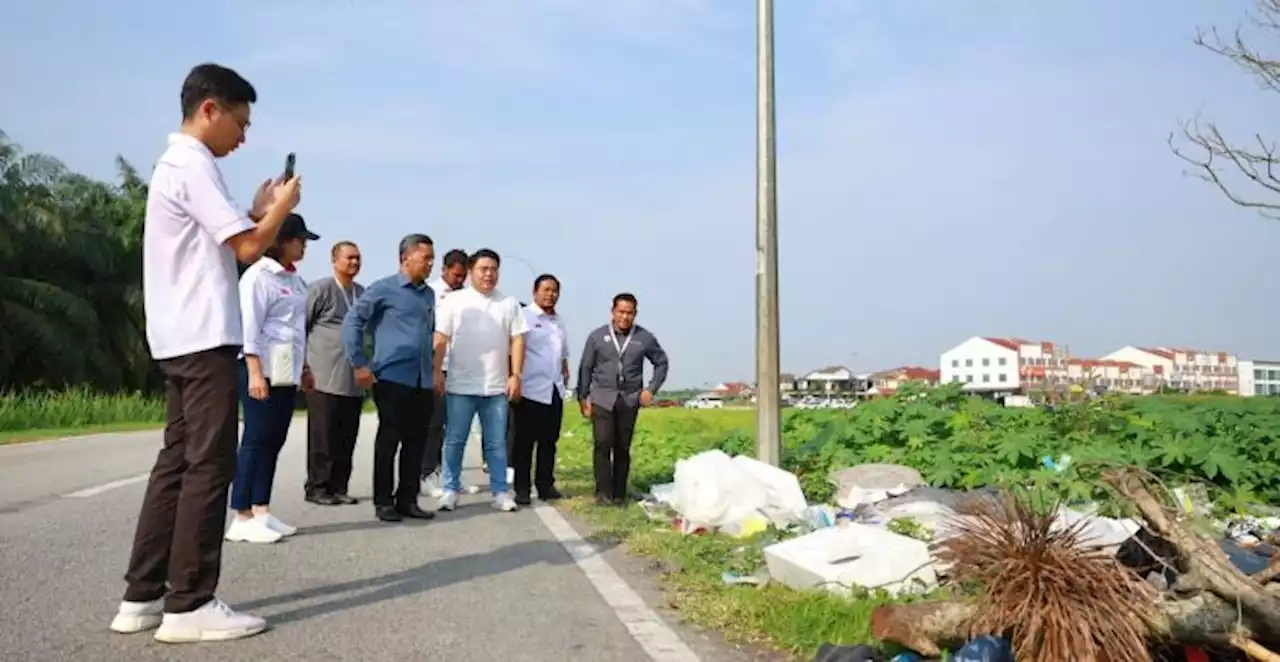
(273, 307)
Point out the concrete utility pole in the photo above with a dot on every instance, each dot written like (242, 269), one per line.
(768, 365)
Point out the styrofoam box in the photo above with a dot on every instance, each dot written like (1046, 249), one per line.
(840, 557)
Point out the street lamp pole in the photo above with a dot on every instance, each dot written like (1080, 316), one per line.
(768, 365)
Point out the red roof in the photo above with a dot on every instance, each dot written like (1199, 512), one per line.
(910, 373)
(1007, 343)
(1162, 353)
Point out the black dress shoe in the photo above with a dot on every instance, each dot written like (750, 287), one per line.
(388, 514)
(550, 494)
(523, 500)
(346, 500)
(324, 499)
(414, 512)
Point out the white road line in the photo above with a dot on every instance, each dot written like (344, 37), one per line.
(653, 635)
(99, 489)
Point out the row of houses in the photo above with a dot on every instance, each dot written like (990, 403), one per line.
(1013, 365)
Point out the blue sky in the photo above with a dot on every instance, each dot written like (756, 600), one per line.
(946, 168)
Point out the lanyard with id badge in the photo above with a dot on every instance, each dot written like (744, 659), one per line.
(621, 349)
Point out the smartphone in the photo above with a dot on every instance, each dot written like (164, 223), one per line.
(289, 162)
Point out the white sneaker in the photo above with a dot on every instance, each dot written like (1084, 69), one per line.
(251, 530)
(214, 621)
(505, 503)
(278, 526)
(431, 485)
(448, 500)
(135, 617)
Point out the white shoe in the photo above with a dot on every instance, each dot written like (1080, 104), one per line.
(448, 500)
(431, 485)
(214, 621)
(251, 530)
(505, 503)
(277, 526)
(135, 617)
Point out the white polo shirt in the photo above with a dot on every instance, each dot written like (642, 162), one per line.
(273, 304)
(480, 328)
(190, 296)
(546, 348)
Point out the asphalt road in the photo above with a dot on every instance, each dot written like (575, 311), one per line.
(475, 584)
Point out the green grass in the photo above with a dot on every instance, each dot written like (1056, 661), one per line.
(30, 416)
(791, 621)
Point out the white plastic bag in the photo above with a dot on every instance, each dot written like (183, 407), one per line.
(712, 491)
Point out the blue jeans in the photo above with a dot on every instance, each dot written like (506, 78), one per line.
(266, 425)
(460, 410)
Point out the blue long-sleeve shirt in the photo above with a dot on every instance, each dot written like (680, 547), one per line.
(401, 317)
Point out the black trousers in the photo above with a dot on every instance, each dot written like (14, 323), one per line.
(537, 429)
(433, 459)
(333, 423)
(612, 431)
(404, 414)
(179, 534)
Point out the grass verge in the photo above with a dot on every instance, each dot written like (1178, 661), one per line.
(787, 620)
(44, 415)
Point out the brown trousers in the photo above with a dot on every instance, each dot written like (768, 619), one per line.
(179, 535)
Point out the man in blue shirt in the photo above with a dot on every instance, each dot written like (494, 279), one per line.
(398, 312)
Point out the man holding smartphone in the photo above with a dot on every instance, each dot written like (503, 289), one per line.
(194, 235)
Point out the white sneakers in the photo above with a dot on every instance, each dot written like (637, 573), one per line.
(214, 621)
(448, 500)
(262, 529)
(503, 502)
(134, 617)
(432, 485)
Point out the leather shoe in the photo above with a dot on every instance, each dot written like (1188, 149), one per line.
(388, 514)
(346, 500)
(550, 494)
(523, 500)
(414, 512)
(324, 499)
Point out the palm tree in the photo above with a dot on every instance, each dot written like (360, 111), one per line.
(70, 289)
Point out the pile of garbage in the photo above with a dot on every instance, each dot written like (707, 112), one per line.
(876, 537)
(886, 525)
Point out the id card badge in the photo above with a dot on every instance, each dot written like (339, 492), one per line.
(282, 358)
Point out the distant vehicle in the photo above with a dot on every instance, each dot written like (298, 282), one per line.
(704, 402)
(666, 403)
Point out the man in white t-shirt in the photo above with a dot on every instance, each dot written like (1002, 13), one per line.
(452, 277)
(193, 234)
(483, 332)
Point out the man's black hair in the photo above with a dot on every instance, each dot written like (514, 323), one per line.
(481, 254)
(411, 242)
(625, 296)
(542, 279)
(213, 81)
(455, 258)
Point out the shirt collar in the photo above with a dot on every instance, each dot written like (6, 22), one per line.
(405, 282)
(189, 141)
(270, 265)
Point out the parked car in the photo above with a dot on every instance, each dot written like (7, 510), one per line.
(704, 403)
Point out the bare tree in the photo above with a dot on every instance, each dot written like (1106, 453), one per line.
(1219, 160)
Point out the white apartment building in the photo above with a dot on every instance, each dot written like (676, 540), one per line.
(1183, 369)
(1257, 377)
(985, 363)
